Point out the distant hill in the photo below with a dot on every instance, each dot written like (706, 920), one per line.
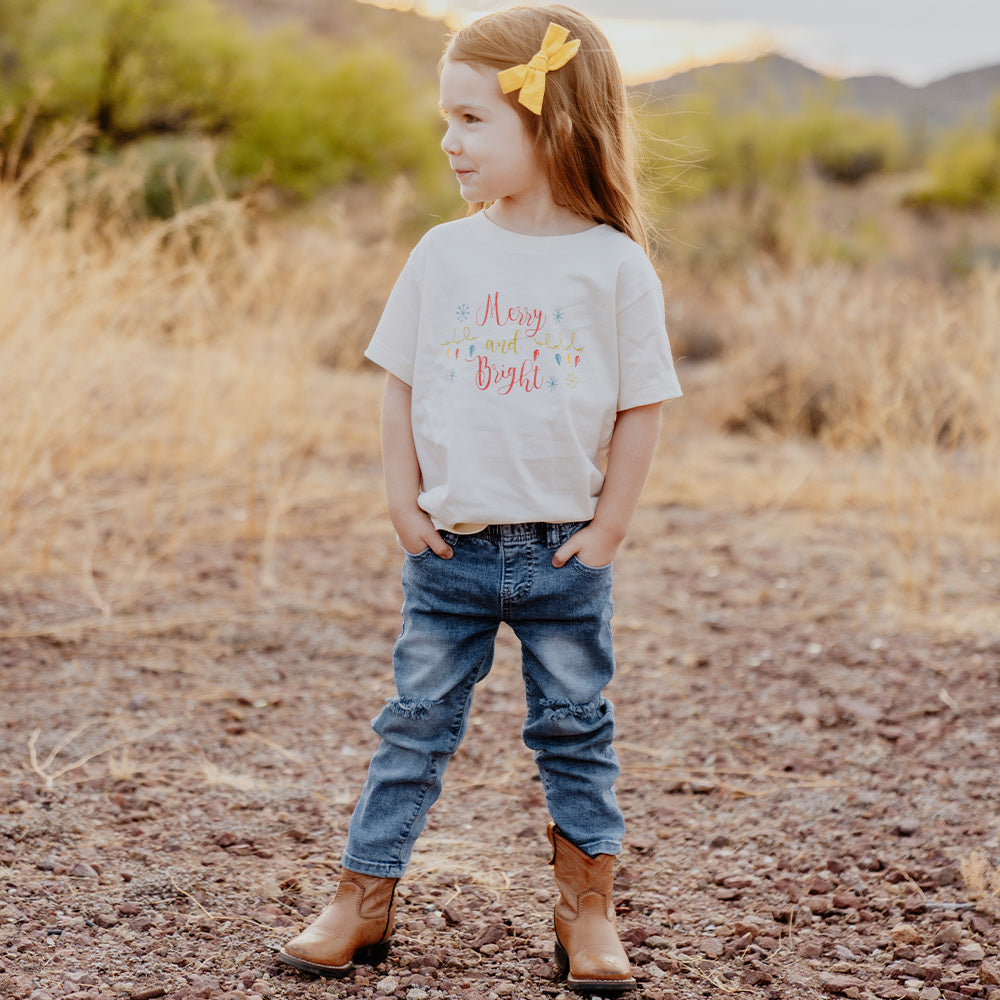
(774, 81)
(771, 81)
(417, 38)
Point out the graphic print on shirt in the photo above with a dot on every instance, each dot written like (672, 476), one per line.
(507, 348)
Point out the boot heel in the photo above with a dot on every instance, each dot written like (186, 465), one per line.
(562, 959)
(374, 954)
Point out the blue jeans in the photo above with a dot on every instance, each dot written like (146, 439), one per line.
(452, 609)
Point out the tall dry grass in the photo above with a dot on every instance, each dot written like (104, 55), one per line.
(171, 385)
(166, 383)
(895, 378)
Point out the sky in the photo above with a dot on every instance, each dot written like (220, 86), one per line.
(916, 41)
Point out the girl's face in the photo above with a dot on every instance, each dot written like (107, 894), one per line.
(487, 145)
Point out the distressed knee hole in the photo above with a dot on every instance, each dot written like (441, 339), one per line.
(587, 712)
(409, 708)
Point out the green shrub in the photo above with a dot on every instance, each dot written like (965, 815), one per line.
(299, 112)
(319, 117)
(132, 67)
(745, 150)
(963, 172)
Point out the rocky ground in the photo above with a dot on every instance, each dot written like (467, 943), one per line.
(810, 784)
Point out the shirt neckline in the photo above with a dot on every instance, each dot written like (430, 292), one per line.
(541, 244)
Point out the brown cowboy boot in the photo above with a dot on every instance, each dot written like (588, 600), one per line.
(354, 929)
(588, 951)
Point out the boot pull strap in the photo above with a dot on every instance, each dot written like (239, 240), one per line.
(553, 832)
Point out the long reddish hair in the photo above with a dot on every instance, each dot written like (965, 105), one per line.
(584, 133)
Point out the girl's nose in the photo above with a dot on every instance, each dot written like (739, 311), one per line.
(450, 143)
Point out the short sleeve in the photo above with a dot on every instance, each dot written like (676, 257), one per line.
(394, 344)
(646, 367)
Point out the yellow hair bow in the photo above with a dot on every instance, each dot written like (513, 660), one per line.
(554, 53)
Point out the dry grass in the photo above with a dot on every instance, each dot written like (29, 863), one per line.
(50, 768)
(170, 385)
(982, 878)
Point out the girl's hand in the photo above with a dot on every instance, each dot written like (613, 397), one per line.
(592, 546)
(416, 532)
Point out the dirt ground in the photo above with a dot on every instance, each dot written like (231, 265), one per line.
(804, 778)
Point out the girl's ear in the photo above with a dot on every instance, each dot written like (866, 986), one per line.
(565, 124)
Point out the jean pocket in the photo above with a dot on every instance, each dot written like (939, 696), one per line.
(414, 555)
(580, 564)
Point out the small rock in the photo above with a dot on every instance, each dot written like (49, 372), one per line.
(950, 933)
(635, 935)
(907, 827)
(970, 951)
(712, 947)
(847, 900)
(819, 886)
(905, 934)
(493, 934)
(989, 972)
(930, 969)
(642, 844)
(848, 985)
(81, 870)
(891, 991)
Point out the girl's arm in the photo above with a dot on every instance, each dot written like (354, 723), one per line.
(402, 474)
(631, 454)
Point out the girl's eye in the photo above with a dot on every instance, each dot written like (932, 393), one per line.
(470, 119)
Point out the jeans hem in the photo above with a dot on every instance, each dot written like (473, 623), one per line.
(377, 869)
(601, 847)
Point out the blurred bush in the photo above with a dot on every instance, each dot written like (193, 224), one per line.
(300, 113)
(316, 118)
(963, 171)
(699, 149)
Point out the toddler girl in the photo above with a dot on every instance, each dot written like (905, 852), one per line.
(527, 360)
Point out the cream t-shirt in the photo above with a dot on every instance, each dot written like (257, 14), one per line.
(520, 351)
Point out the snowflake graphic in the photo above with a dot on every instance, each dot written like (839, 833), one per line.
(558, 315)
(452, 375)
(462, 313)
(552, 382)
(572, 381)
